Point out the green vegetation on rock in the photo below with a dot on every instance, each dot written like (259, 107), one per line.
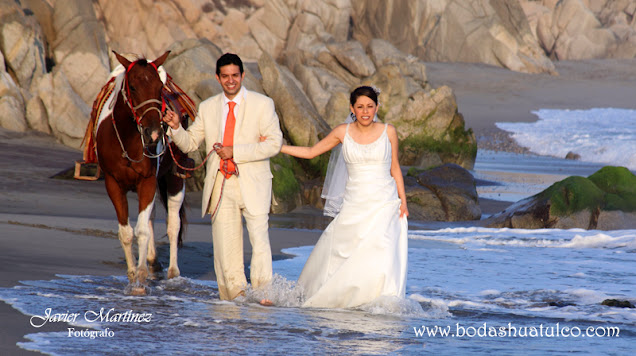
(458, 148)
(414, 172)
(610, 188)
(573, 194)
(284, 183)
(616, 180)
(619, 184)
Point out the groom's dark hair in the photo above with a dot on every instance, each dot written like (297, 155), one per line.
(226, 59)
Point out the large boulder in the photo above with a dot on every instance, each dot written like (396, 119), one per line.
(192, 65)
(145, 27)
(573, 32)
(22, 43)
(605, 200)
(150, 27)
(353, 58)
(482, 31)
(583, 29)
(12, 114)
(334, 14)
(67, 112)
(63, 97)
(444, 193)
(429, 126)
(300, 122)
(80, 50)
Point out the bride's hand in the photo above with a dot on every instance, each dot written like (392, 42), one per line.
(404, 210)
(262, 138)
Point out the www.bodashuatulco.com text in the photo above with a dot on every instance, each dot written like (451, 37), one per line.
(492, 331)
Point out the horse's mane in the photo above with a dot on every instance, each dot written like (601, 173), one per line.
(143, 61)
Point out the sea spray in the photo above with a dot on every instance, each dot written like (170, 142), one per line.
(282, 292)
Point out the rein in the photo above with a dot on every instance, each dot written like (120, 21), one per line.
(223, 169)
(125, 93)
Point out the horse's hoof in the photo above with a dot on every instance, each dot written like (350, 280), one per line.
(137, 291)
(173, 273)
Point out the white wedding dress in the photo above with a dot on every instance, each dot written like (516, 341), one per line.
(362, 254)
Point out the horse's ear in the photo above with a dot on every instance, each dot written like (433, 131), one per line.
(122, 60)
(159, 61)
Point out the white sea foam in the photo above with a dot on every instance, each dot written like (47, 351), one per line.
(548, 238)
(603, 135)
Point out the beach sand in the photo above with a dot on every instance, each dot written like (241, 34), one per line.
(55, 226)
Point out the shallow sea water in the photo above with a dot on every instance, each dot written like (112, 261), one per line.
(497, 291)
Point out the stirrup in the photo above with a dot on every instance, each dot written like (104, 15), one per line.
(86, 169)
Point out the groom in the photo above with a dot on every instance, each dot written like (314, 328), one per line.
(238, 179)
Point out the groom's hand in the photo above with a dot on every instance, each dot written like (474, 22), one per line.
(225, 152)
(172, 119)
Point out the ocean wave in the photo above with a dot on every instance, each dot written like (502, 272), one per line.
(602, 135)
(546, 238)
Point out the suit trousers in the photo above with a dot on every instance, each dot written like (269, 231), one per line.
(227, 240)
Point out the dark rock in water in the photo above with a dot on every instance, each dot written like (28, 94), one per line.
(444, 193)
(573, 156)
(560, 304)
(606, 200)
(618, 303)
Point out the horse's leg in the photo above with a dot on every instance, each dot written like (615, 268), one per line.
(174, 224)
(152, 251)
(125, 233)
(146, 194)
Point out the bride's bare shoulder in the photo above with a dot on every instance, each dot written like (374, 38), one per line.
(339, 131)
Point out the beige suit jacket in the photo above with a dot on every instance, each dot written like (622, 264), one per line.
(256, 118)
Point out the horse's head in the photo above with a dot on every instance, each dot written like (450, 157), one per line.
(142, 93)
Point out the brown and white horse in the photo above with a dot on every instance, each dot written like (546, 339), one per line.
(130, 144)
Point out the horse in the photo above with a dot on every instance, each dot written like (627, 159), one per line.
(130, 143)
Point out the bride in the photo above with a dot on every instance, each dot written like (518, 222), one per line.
(362, 254)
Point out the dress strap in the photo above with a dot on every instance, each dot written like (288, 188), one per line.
(385, 126)
(347, 129)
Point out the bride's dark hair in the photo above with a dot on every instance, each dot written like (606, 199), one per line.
(364, 90)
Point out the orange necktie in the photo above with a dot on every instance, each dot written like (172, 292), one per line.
(227, 166)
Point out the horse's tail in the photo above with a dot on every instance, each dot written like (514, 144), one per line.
(162, 184)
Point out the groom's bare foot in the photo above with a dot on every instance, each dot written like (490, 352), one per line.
(266, 302)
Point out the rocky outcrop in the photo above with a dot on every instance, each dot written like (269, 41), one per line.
(192, 64)
(150, 27)
(444, 193)
(21, 63)
(482, 31)
(606, 200)
(300, 121)
(432, 131)
(577, 29)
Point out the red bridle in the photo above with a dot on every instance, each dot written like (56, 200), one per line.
(126, 96)
(134, 108)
